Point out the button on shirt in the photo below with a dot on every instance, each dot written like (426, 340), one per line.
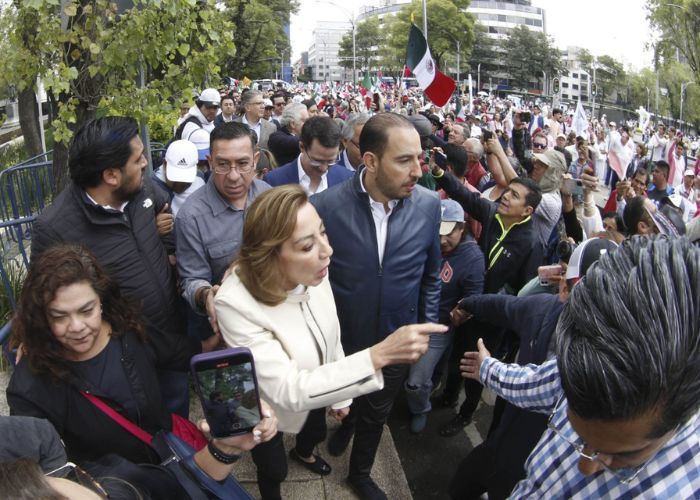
(552, 468)
(380, 216)
(208, 232)
(305, 180)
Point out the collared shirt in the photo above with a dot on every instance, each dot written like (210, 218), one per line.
(552, 468)
(346, 162)
(257, 127)
(208, 232)
(380, 216)
(119, 209)
(305, 180)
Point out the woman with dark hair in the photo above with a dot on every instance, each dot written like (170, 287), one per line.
(277, 301)
(82, 340)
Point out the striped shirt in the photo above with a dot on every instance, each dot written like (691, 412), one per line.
(552, 467)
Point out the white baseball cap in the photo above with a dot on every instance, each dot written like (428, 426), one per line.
(200, 138)
(181, 158)
(210, 96)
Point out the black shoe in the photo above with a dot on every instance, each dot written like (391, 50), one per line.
(318, 466)
(366, 488)
(340, 440)
(454, 426)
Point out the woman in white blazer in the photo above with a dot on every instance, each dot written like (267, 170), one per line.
(277, 301)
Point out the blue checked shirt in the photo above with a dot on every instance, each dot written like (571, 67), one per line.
(552, 467)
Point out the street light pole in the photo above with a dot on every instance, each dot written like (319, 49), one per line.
(544, 83)
(683, 87)
(478, 77)
(354, 57)
(457, 66)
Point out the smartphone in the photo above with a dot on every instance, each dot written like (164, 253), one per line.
(525, 116)
(227, 387)
(546, 273)
(440, 159)
(574, 186)
(486, 134)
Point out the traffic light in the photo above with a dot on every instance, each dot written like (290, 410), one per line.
(594, 89)
(555, 86)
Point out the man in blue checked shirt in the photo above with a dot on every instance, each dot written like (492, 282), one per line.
(623, 393)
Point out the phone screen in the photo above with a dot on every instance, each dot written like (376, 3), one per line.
(440, 159)
(228, 391)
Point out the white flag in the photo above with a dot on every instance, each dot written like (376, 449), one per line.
(580, 123)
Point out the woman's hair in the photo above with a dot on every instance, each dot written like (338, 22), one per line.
(23, 479)
(270, 221)
(62, 265)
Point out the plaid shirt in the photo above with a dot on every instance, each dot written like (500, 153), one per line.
(552, 467)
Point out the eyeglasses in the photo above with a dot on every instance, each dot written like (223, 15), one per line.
(74, 473)
(241, 168)
(536, 145)
(625, 475)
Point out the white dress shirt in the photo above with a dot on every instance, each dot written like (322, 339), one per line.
(305, 180)
(380, 216)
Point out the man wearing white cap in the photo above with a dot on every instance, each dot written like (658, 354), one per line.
(178, 174)
(687, 188)
(201, 115)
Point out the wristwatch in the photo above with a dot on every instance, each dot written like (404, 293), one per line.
(220, 456)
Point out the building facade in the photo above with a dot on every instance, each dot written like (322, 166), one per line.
(323, 52)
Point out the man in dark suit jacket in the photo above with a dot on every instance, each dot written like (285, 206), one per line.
(284, 144)
(315, 169)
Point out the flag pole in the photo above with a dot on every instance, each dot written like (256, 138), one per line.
(425, 20)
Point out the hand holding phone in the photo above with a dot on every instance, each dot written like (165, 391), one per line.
(440, 158)
(227, 387)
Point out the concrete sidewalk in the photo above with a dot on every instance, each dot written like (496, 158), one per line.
(302, 484)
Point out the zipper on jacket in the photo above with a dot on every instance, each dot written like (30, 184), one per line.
(499, 241)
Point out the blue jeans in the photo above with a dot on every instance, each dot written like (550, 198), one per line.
(419, 383)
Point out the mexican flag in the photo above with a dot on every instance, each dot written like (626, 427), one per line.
(435, 85)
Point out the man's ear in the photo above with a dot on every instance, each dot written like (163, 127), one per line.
(527, 211)
(112, 177)
(371, 161)
(643, 228)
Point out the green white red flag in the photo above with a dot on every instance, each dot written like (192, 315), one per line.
(435, 85)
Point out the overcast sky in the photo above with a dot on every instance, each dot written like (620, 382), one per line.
(614, 27)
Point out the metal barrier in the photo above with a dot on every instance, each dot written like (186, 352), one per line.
(25, 191)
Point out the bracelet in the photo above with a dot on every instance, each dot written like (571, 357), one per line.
(442, 172)
(220, 456)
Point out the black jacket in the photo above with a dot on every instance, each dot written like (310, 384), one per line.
(284, 146)
(534, 319)
(375, 299)
(512, 261)
(87, 432)
(128, 248)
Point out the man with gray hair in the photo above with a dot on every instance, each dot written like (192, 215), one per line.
(351, 158)
(284, 144)
(623, 394)
(476, 173)
(252, 109)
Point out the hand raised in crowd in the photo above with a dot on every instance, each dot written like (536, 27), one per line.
(493, 145)
(470, 364)
(459, 316)
(434, 167)
(339, 414)
(590, 181)
(165, 221)
(624, 190)
(405, 345)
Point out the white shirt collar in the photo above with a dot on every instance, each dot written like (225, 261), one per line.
(346, 160)
(107, 207)
(305, 180)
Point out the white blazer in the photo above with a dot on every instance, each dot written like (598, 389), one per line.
(296, 347)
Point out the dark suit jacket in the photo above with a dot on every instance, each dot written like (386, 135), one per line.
(284, 146)
(289, 174)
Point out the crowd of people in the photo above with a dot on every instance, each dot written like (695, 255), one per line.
(362, 246)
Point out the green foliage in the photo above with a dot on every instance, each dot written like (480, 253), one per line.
(448, 22)
(257, 27)
(678, 26)
(366, 40)
(93, 61)
(527, 54)
(11, 154)
(610, 76)
(484, 51)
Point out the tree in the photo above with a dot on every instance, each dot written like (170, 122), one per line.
(527, 54)
(610, 76)
(91, 58)
(448, 22)
(484, 51)
(366, 40)
(258, 29)
(678, 25)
